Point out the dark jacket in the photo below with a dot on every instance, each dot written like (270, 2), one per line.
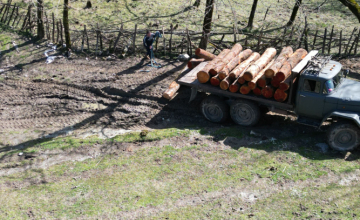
(148, 41)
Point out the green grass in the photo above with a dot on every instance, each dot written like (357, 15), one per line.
(161, 175)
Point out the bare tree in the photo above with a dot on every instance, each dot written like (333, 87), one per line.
(66, 24)
(40, 20)
(294, 12)
(209, 10)
(252, 14)
(353, 6)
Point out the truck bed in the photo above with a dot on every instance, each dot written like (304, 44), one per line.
(190, 79)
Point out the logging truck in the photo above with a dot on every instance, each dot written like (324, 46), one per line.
(319, 92)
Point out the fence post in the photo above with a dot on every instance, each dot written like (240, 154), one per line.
(83, 39)
(58, 32)
(164, 41)
(323, 47)
(331, 36)
(53, 30)
(340, 43)
(234, 29)
(313, 46)
(357, 42)
(17, 15)
(347, 46)
(47, 27)
(134, 39)
(170, 40)
(2, 8)
(101, 42)
(61, 32)
(3, 18)
(259, 40)
(12, 14)
(306, 40)
(26, 17)
(118, 37)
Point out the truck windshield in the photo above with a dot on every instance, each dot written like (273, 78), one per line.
(331, 84)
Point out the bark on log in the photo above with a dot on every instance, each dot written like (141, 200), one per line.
(234, 62)
(235, 50)
(252, 84)
(243, 65)
(194, 62)
(280, 95)
(286, 52)
(275, 83)
(245, 89)
(234, 87)
(215, 81)
(289, 64)
(171, 91)
(255, 68)
(267, 92)
(204, 54)
(257, 91)
(225, 83)
(203, 75)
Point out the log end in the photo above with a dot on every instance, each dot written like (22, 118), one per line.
(224, 85)
(257, 91)
(284, 86)
(261, 83)
(248, 76)
(275, 83)
(269, 73)
(215, 81)
(241, 80)
(280, 76)
(280, 95)
(234, 88)
(222, 75)
(232, 76)
(213, 72)
(244, 90)
(203, 76)
(252, 85)
(197, 51)
(267, 92)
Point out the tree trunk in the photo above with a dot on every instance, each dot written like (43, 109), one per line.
(66, 24)
(294, 12)
(353, 6)
(252, 14)
(194, 62)
(171, 91)
(40, 20)
(243, 65)
(288, 65)
(235, 50)
(234, 62)
(204, 54)
(284, 55)
(254, 69)
(207, 23)
(203, 75)
(252, 84)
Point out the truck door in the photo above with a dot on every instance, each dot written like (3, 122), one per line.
(310, 100)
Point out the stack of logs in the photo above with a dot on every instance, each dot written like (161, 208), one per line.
(245, 71)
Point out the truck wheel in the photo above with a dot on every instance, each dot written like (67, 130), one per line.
(343, 136)
(215, 109)
(244, 112)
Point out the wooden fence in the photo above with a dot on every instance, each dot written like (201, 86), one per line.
(128, 41)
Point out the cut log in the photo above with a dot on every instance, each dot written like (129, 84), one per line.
(194, 62)
(252, 84)
(263, 81)
(215, 81)
(235, 50)
(243, 65)
(286, 52)
(234, 87)
(280, 95)
(256, 67)
(203, 75)
(225, 83)
(267, 92)
(241, 79)
(204, 54)
(289, 64)
(275, 83)
(234, 62)
(245, 89)
(171, 91)
(257, 91)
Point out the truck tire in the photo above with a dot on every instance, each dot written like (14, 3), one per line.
(343, 136)
(215, 109)
(245, 112)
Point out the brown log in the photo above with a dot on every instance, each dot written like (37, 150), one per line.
(267, 92)
(234, 87)
(171, 91)
(244, 89)
(194, 62)
(263, 81)
(235, 50)
(280, 95)
(257, 91)
(285, 85)
(204, 54)
(252, 84)
(234, 62)
(286, 52)
(215, 81)
(275, 83)
(241, 79)
(203, 75)
(225, 83)
(243, 65)
(255, 68)
(289, 64)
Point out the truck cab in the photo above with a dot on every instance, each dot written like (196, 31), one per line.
(325, 93)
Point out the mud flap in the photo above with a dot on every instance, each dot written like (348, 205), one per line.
(193, 94)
